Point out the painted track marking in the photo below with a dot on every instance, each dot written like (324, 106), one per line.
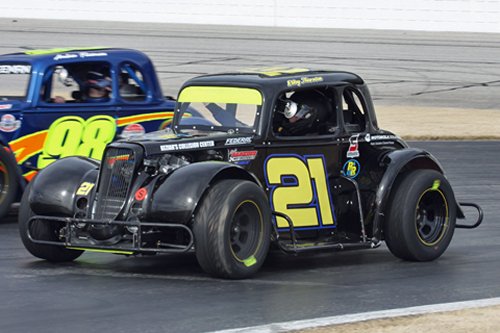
(365, 316)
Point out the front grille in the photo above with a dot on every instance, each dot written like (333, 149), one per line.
(117, 172)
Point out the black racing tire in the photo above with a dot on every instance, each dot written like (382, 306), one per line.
(232, 229)
(9, 183)
(421, 217)
(44, 231)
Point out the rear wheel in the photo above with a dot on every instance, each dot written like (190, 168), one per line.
(232, 229)
(45, 231)
(421, 218)
(8, 181)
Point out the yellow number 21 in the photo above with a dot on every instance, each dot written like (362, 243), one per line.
(299, 189)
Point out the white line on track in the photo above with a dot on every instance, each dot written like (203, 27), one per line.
(358, 317)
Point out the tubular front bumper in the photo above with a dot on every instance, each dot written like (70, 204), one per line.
(135, 245)
(479, 216)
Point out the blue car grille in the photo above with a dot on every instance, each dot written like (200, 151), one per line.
(117, 171)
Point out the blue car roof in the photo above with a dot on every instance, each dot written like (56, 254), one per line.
(74, 54)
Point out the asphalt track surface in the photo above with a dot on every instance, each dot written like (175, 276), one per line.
(101, 292)
(170, 293)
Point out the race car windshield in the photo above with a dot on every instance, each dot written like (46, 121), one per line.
(219, 108)
(14, 80)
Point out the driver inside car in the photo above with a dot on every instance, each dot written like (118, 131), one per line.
(97, 88)
(301, 114)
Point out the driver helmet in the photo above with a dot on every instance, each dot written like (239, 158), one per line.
(98, 81)
(300, 114)
(295, 112)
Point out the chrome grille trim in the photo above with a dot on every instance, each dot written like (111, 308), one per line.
(115, 179)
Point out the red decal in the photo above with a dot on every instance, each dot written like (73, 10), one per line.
(141, 194)
(133, 130)
(353, 147)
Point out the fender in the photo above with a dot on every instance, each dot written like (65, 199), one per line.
(175, 200)
(54, 187)
(397, 162)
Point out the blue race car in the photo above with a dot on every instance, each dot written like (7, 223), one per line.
(64, 102)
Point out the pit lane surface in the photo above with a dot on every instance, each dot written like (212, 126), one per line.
(170, 293)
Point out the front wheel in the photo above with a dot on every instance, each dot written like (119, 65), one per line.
(44, 231)
(232, 229)
(421, 218)
(8, 181)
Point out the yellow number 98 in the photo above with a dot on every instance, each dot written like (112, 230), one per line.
(71, 135)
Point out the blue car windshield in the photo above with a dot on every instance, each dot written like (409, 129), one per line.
(219, 108)
(14, 79)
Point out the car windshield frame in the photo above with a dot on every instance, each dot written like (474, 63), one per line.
(14, 70)
(223, 102)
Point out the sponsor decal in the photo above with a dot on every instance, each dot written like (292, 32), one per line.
(15, 69)
(5, 106)
(8, 123)
(141, 194)
(238, 141)
(85, 188)
(133, 130)
(110, 161)
(351, 168)
(187, 145)
(353, 150)
(242, 156)
(303, 80)
(380, 139)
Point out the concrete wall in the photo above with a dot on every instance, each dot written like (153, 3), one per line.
(433, 15)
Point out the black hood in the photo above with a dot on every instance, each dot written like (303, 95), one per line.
(162, 142)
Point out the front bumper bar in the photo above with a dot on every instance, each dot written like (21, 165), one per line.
(135, 245)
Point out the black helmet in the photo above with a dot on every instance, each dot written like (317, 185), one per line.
(303, 113)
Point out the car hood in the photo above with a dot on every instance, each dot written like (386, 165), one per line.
(167, 141)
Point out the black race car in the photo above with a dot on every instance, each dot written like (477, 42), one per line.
(288, 157)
